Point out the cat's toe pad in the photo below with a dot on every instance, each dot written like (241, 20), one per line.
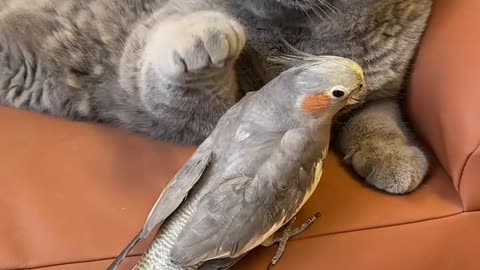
(202, 42)
(397, 169)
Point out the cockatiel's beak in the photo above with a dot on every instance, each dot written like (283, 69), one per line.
(355, 98)
(358, 96)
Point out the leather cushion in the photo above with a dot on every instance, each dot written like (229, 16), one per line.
(444, 97)
(78, 192)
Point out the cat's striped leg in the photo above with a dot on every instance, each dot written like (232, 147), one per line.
(377, 144)
(19, 87)
(183, 70)
(195, 52)
(27, 81)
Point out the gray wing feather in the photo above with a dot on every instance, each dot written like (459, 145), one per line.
(173, 195)
(243, 210)
(178, 189)
(220, 264)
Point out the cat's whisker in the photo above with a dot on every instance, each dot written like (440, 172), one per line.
(318, 9)
(317, 14)
(330, 6)
(329, 12)
(295, 50)
(304, 10)
(324, 4)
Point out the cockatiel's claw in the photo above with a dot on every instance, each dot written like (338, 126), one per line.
(288, 233)
(304, 226)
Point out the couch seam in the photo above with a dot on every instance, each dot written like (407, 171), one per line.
(387, 226)
(297, 239)
(462, 171)
(70, 263)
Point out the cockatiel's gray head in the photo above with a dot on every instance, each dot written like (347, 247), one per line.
(318, 86)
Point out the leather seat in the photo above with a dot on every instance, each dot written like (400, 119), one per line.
(72, 194)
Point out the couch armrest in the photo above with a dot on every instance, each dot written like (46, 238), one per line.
(444, 96)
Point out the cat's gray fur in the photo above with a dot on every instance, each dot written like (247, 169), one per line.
(171, 69)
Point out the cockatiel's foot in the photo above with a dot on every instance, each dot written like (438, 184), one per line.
(285, 235)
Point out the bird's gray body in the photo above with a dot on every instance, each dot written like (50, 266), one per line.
(158, 256)
(231, 166)
(252, 174)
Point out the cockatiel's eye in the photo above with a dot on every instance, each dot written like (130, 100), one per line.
(338, 93)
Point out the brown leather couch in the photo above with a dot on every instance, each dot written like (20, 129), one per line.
(73, 194)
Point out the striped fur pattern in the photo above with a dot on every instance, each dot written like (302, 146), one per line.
(90, 60)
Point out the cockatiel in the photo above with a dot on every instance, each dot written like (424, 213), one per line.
(254, 172)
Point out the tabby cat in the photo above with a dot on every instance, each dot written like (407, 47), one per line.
(170, 69)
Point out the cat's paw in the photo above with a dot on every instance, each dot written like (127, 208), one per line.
(200, 43)
(394, 168)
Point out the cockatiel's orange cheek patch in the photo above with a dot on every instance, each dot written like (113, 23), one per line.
(315, 104)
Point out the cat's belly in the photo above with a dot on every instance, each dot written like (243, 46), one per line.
(385, 58)
(384, 74)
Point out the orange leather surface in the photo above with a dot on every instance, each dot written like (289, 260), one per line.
(69, 190)
(76, 192)
(127, 264)
(445, 93)
(417, 246)
(450, 243)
